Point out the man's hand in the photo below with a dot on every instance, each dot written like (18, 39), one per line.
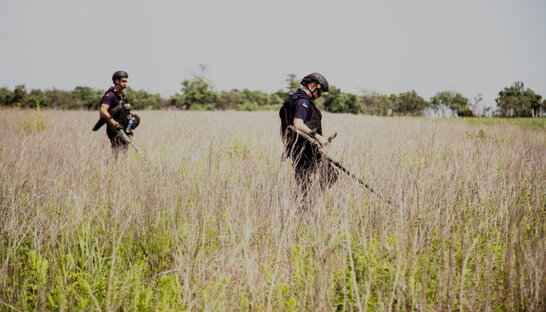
(117, 126)
(322, 140)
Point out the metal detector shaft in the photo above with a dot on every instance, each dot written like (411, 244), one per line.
(332, 137)
(335, 163)
(127, 139)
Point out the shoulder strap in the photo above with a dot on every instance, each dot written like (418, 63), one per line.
(120, 95)
(300, 95)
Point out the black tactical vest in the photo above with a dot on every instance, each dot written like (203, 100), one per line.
(286, 114)
(117, 110)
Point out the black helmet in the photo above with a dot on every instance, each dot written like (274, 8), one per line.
(119, 74)
(316, 78)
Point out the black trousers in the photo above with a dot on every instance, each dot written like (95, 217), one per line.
(118, 144)
(307, 161)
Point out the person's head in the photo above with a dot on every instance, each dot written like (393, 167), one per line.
(316, 84)
(120, 79)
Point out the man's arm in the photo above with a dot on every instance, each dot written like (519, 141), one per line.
(301, 126)
(106, 115)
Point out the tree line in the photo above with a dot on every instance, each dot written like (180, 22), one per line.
(198, 94)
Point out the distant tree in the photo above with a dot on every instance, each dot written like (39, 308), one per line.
(474, 104)
(371, 104)
(331, 101)
(292, 83)
(275, 100)
(261, 98)
(532, 100)
(508, 98)
(37, 98)
(247, 100)
(377, 104)
(79, 98)
(141, 99)
(19, 96)
(62, 99)
(409, 103)
(86, 97)
(389, 101)
(452, 100)
(228, 99)
(516, 101)
(280, 94)
(336, 101)
(196, 94)
(6, 96)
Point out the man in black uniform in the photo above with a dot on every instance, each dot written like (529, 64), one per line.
(299, 110)
(115, 111)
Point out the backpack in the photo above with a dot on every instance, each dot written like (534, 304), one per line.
(286, 114)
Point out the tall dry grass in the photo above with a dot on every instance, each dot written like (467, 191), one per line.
(204, 219)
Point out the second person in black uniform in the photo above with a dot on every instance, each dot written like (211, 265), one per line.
(115, 111)
(299, 110)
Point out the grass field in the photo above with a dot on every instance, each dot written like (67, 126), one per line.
(203, 218)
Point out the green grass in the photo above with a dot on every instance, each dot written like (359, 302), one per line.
(538, 124)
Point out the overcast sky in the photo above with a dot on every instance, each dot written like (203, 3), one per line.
(469, 46)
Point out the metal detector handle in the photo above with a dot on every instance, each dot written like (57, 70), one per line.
(332, 137)
(310, 139)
